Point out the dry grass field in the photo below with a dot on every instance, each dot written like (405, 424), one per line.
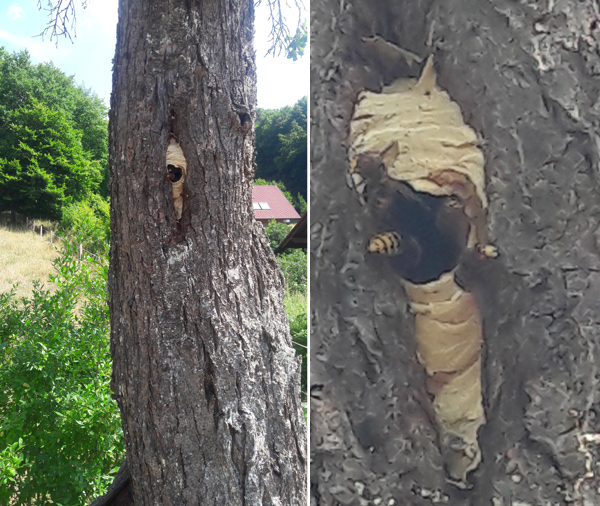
(24, 258)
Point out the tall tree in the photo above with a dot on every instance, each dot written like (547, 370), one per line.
(524, 75)
(45, 163)
(281, 149)
(203, 367)
(56, 130)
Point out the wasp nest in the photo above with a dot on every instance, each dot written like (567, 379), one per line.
(176, 171)
(418, 134)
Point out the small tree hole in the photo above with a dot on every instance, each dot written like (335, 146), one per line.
(433, 231)
(176, 173)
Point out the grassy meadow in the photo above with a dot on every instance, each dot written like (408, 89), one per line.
(24, 258)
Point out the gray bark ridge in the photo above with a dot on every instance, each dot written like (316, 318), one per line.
(203, 369)
(525, 76)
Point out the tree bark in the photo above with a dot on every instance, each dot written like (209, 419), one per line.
(204, 371)
(525, 77)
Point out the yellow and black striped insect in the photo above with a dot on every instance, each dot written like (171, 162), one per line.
(385, 243)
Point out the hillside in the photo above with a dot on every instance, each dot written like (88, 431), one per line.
(281, 149)
(24, 258)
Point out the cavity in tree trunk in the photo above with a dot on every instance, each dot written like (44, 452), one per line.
(204, 372)
(524, 75)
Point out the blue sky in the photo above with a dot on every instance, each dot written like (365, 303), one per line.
(281, 82)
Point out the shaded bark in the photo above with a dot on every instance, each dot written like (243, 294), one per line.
(525, 77)
(204, 372)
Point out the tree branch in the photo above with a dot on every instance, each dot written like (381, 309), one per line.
(62, 19)
(280, 37)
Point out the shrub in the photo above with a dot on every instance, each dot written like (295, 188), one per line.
(89, 222)
(11, 460)
(302, 205)
(295, 306)
(276, 233)
(293, 263)
(60, 433)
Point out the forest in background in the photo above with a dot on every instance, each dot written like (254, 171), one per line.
(281, 150)
(54, 151)
(53, 138)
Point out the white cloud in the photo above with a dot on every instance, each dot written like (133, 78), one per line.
(39, 50)
(13, 39)
(15, 12)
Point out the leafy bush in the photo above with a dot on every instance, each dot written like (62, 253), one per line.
(90, 222)
(295, 306)
(293, 263)
(276, 233)
(302, 205)
(11, 460)
(60, 433)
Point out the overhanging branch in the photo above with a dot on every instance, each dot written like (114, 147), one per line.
(279, 37)
(62, 19)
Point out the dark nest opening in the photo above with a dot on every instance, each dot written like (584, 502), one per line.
(433, 230)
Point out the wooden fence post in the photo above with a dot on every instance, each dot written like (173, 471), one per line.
(41, 230)
(51, 234)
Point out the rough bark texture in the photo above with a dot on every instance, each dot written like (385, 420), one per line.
(204, 372)
(525, 74)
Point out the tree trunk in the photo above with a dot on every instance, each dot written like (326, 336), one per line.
(204, 371)
(524, 75)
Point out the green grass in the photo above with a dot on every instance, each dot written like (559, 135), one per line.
(296, 308)
(295, 304)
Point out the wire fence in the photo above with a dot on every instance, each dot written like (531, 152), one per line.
(37, 228)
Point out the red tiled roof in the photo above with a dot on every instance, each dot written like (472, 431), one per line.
(281, 209)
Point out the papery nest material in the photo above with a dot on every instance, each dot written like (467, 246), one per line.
(418, 130)
(175, 158)
(420, 136)
(449, 337)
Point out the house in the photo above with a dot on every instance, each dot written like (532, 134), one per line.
(297, 237)
(270, 204)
